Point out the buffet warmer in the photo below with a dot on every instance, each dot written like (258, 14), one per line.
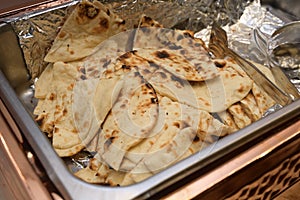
(260, 160)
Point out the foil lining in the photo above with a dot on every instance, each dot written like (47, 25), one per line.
(250, 34)
(248, 25)
(36, 30)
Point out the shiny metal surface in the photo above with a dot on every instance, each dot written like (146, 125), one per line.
(285, 35)
(218, 45)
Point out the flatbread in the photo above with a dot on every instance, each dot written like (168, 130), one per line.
(106, 94)
(84, 116)
(47, 98)
(184, 130)
(227, 119)
(106, 55)
(240, 118)
(99, 173)
(263, 100)
(207, 95)
(142, 99)
(175, 50)
(129, 61)
(214, 95)
(132, 117)
(44, 112)
(251, 108)
(218, 94)
(90, 173)
(65, 140)
(42, 86)
(172, 118)
(185, 68)
(86, 27)
(166, 156)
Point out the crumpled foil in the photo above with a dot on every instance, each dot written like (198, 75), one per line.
(36, 31)
(249, 35)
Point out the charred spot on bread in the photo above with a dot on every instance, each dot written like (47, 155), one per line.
(104, 23)
(162, 54)
(220, 64)
(87, 10)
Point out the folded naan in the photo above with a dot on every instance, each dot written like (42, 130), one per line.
(86, 27)
(99, 173)
(65, 140)
(263, 100)
(177, 50)
(44, 92)
(131, 119)
(84, 115)
(42, 86)
(183, 131)
(240, 118)
(214, 95)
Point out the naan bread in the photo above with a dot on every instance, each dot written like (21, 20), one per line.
(227, 119)
(142, 99)
(86, 27)
(106, 55)
(44, 112)
(208, 95)
(99, 173)
(263, 100)
(46, 105)
(251, 108)
(42, 87)
(172, 118)
(183, 131)
(65, 140)
(132, 117)
(106, 94)
(84, 116)
(175, 50)
(90, 173)
(55, 112)
(240, 118)
(218, 94)
(176, 63)
(214, 95)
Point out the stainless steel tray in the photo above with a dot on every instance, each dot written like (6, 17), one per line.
(16, 93)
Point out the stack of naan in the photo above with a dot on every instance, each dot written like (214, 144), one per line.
(142, 99)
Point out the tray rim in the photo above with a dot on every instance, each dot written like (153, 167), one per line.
(75, 188)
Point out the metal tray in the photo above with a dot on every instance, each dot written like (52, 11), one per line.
(16, 93)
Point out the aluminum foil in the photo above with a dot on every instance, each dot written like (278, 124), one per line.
(37, 29)
(250, 34)
(248, 25)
